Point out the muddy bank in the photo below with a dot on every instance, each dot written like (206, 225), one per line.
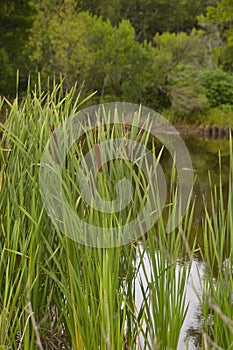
(206, 132)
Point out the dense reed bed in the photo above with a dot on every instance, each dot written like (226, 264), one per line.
(59, 294)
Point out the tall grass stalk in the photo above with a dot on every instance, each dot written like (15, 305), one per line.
(217, 253)
(57, 293)
(27, 307)
(165, 263)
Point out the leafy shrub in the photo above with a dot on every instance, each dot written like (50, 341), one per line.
(218, 86)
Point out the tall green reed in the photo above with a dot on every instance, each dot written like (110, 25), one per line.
(27, 292)
(58, 293)
(217, 253)
(166, 261)
(100, 296)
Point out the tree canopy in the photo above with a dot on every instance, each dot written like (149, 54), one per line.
(220, 20)
(157, 53)
(16, 17)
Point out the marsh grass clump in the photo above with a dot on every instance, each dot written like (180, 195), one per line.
(59, 294)
(217, 254)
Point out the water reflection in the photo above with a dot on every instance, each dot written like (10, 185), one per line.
(205, 155)
(209, 158)
(192, 328)
(190, 335)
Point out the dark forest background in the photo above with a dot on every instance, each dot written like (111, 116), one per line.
(174, 56)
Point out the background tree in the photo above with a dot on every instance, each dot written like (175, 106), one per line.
(178, 60)
(149, 17)
(57, 42)
(218, 87)
(220, 17)
(16, 18)
(86, 48)
(133, 50)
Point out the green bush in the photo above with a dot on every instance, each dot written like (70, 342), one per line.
(218, 86)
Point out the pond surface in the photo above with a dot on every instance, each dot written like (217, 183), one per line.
(191, 329)
(206, 157)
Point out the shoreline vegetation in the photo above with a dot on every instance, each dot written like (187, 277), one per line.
(174, 57)
(216, 125)
(58, 294)
(58, 57)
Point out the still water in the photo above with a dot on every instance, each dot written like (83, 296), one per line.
(190, 335)
(206, 155)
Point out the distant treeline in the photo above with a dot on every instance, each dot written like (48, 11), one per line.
(174, 55)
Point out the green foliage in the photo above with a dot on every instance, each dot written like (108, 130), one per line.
(57, 41)
(16, 18)
(55, 292)
(221, 116)
(137, 51)
(177, 62)
(218, 252)
(83, 47)
(221, 16)
(218, 86)
(147, 16)
(187, 94)
(6, 73)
